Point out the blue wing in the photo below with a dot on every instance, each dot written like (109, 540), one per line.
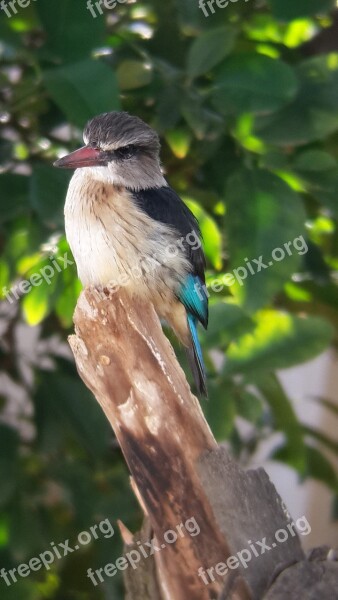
(194, 297)
(164, 205)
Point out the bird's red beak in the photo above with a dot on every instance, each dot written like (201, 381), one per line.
(84, 157)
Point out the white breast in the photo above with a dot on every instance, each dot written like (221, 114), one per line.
(114, 242)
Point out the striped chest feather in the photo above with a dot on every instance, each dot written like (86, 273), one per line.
(115, 243)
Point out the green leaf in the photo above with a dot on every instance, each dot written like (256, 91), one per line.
(314, 160)
(52, 284)
(285, 420)
(179, 141)
(48, 188)
(66, 303)
(190, 16)
(167, 107)
(325, 189)
(220, 411)
(318, 170)
(27, 535)
(298, 125)
(313, 114)
(36, 304)
(227, 322)
(253, 83)
(23, 590)
(320, 468)
(288, 10)
(320, 437)
(66, 401)
(4, 278)
(72, 31)
(279, 341)
(202, 121)
(133, 74)
(209, 49)
(83, 90)
(265, 219)
(249, 406)
(45, 281)
(14, 192)
(212, 239)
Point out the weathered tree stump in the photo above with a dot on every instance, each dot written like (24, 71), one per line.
(178, 470)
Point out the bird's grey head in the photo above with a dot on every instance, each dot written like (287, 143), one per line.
(120, 149)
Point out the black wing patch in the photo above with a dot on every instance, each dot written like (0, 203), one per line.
(164, 205)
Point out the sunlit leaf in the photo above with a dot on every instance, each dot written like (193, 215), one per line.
(179, 141)
(279, 340)
(4, 278)
(212, 239)
(133, 74)
(35, 304)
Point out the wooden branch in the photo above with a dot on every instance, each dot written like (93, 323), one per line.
(178, 471)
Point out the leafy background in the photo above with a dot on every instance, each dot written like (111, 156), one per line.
(246, 104)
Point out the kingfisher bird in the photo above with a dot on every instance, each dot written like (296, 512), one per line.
(127, 227)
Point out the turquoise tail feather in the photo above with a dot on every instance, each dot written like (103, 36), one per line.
(194, 297)
(195, 357)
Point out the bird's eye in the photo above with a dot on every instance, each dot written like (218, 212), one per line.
(126, 151)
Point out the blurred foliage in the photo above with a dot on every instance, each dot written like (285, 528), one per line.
(246, 105)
